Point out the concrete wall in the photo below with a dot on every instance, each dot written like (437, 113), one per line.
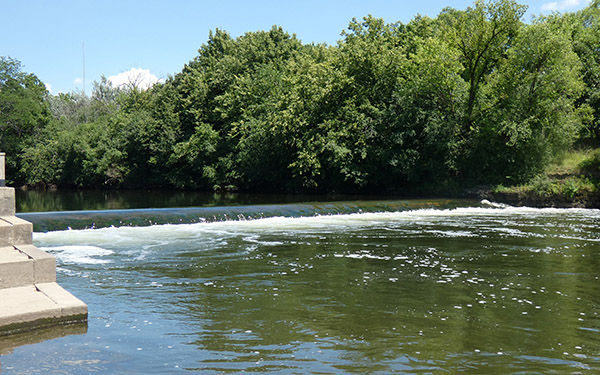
(30, 298)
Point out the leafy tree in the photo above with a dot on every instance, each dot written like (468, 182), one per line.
(467, 97)
(23, 110)
(584, 29)
(482, 35)
(218, 90)
(531, 114)
(420, 144)
(371, 59)
(70, 155)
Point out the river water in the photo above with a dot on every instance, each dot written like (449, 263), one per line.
(370, 287)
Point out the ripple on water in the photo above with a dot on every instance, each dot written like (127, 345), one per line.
(424, 290)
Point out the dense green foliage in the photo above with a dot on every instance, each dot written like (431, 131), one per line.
(472, 96)
(23, 110)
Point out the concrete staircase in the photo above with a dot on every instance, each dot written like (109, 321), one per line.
(30, 298)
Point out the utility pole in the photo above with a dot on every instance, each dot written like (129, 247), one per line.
(83, 53)
(2, 171)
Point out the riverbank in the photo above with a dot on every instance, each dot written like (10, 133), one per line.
(523, 196)
(573, 181)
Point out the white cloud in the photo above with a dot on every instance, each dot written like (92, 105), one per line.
(135, 77)
(48, 87)
(558, 6)
(77, 81)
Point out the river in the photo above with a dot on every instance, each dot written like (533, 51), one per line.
(415, 286)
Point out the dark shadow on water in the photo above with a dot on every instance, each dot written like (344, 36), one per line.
(8, 343)
(78, 200)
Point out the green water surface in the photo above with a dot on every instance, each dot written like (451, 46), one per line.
(471, 288)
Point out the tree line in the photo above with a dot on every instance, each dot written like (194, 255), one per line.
(469, 97)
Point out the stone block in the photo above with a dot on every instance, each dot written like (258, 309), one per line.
(30, 298)
(6, 233)
(69, 304)
(44, 264)
(21, 230)
(16, 268)
(7, 201)
(24, 305)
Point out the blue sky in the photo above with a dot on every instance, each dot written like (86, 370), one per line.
(161, 36)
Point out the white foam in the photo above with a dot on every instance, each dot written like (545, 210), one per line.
(79, 254)
(362, 256)
(450, 233)
(494, 204)
(208, 232)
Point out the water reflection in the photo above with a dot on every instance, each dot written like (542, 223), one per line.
(9, 343)
(82, 200)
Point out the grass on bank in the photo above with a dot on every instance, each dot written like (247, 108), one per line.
(573, 178)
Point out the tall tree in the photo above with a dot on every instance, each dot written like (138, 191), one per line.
(482, 35)
(23, 110)
(584, 27)
(530, 112)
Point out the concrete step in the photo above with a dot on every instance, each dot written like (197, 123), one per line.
(30, 298)
(16, 268)
(30, 307)
(25, 265)
(70, 306)
(15, 231)
(44, 264)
